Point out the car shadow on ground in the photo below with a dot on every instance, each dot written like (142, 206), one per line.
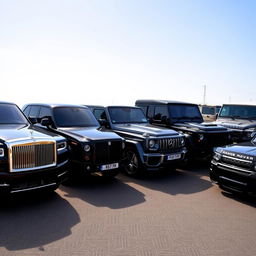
(33, 220)
(241, 198)
(183, 180)
(101, 192)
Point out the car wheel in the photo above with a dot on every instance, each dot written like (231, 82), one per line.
(132, 164)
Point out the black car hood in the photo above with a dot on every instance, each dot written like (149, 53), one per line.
(202, 126)
(239, 124)
(145, 129)
(241, 150)
(90, 133)
(13, 132)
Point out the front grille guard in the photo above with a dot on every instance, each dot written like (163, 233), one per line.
(21, 167)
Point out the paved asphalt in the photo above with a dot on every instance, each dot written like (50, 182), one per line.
(175, 213)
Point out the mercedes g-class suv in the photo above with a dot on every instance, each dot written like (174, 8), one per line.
(241, 118)
(201, 137)
(29, 159)
(233, 167)
(92, 151)
(147, 146)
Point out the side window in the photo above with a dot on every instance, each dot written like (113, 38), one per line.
(99, 114)
(44, 111)
(34, 111)
(26, 110)
(150, 112)
(144, 109)
(160, 113)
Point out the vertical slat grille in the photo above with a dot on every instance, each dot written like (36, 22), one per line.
(32, 156)
(170, 143)
(108, 152)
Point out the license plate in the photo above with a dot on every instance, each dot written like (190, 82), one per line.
(173, 156)
(109, 166)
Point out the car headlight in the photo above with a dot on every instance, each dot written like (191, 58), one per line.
(152, 144)
(217, 156)
(201, 137)
(61, 145)
(1, 152)
(87, 148)
(182, 142)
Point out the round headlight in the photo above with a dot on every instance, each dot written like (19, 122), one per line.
(151, 143)
(87, 148)
(201, 137)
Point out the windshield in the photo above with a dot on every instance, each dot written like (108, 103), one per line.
(11, 114)
(238, 111)
(185, 113)
(121, 115)
(74, 117)
(208, 110)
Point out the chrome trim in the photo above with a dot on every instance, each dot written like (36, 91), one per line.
(29, 158)
(234, 167)
(236, 158)
(61, 174)
(235, 181)
(34, 188)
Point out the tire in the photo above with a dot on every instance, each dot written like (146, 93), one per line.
(132, 165)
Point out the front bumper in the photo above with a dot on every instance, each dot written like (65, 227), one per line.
(33, 180)
(154, 161)
(232, 180)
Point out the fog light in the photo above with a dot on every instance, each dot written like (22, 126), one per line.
(86, 158)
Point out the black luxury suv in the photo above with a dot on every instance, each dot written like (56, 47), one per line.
(29, 159)
(241, 118)
(233, 167)
(147, 147)
(91, 150)
(201, 137)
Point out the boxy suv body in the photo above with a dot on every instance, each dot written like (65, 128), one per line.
(147, 147)
(240, 118)
(29, 159)
(91, 150)
(201, 137)
(233, 167)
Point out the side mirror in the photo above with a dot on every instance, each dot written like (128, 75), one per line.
(33, 120)
(103, 122)
(46, 121)
(164, 119)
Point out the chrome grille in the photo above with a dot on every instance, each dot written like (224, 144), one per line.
(32, 156)
(236, 161)
(170, 143)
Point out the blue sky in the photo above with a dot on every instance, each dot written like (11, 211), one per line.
(114, 52)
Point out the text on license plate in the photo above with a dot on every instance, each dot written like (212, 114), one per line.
(109, 166)
(173, 156)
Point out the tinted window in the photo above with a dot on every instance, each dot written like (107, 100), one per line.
(144, 109)
(161, 112)
(150, 111)
(11, 114)
(99, 114)
(126, 115)
(208, 110)
(74, 117)
(237, 111)
(26, 110)
(34, 111)
(185, 112)
(44, 111)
